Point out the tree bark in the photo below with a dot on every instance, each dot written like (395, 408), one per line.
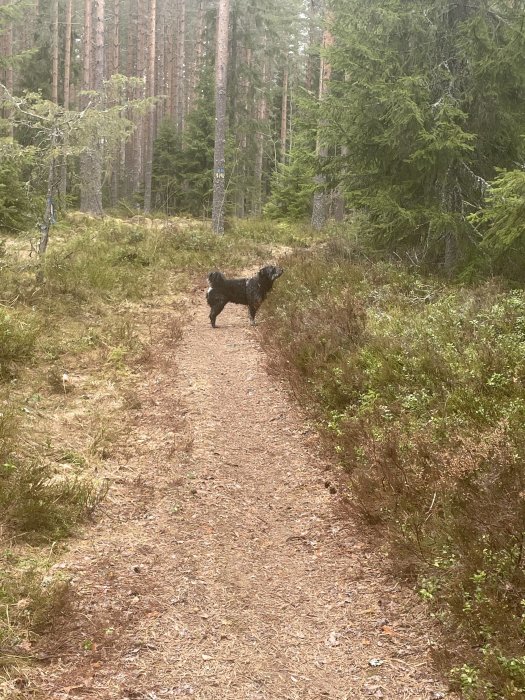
(137, 171)
(180, 106)
(169, 65)
(49, 212)
(320, 199)
(91, 168)
(115, 63)
(66, 94)
(115, 69)
(9, 75)
(54, 52)
(313, 39)
(284, 114)
(129, 68)
(221, 75)
(198, 54)
(150, 92)
(98, 75)
(67, 53)
(262, 115)
(160, 80)
(86, 46)
(452, 202)
(244, 103)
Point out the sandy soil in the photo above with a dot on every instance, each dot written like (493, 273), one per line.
(221, 567)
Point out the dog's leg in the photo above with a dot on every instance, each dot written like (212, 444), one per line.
(252, 310)
(215, 311)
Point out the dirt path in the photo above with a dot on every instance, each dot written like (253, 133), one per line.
(221, 568)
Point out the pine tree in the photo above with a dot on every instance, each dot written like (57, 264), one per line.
(149, 131)
(91, 171)
(321, 195)
(221, 77)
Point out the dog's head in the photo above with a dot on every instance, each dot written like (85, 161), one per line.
(270, 273)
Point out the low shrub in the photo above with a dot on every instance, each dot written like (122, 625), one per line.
(30, 599)
(39, 504)
(420, 387)
(18, 333)
(115, 260)
(37, 507)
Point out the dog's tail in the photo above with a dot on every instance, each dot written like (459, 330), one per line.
(216, 279)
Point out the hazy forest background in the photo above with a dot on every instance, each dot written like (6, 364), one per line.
(384, 142)
(410, 112)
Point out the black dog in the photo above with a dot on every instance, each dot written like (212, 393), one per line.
(250, 291)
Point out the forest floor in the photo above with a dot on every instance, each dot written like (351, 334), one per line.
(220, 566)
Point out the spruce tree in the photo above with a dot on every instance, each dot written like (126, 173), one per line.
(196, 168)
(166, 178)
(293, 182)
(17, 205)
(426, 100)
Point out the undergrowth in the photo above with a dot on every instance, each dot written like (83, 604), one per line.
(31, 596)
(418, 384)
(420, 387)
(83, 317)
(38, 506)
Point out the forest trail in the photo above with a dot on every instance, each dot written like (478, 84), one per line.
(220, 567)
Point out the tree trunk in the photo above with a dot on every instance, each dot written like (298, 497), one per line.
(321, 199)
(175, 65)
(141, 73)
(49, 215)
(115, 69)
(131, 67)
(115, 62)
(150, 119)
(244, 56)
(85, 199)
(91, 170)
(67, 52)
(9, 76)
(160, 80)
(169, 65)
(98, 67)
(66, 95)
(284, 114)
(221, 76)
(54, 51)
(198, 54)
(262, 115)
(180, 109)
(313, 40)
(86, 46)
(452, 202)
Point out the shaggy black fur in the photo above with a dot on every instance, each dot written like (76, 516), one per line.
(250, 291)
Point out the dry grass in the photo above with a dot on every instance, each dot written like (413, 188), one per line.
(71, 349)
